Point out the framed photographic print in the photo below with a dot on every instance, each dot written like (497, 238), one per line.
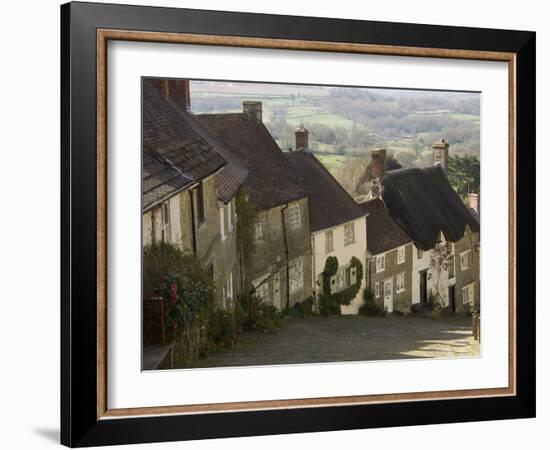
(277, 224)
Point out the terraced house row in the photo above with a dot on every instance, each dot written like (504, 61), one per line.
(412, 240)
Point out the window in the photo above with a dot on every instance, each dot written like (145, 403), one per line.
(200, 203)
(296, 275)
(419, 253)
(381, 263)
(465, 260)
(349, 234)
(222, 224)
(165, 223)
(352, 275)
(451, 266)
(468, 294)
(344, 278)
(400, 282)
(258, 231)
(401, 255)
(294, 216)
(329, 242)
(377, 290)
(229, 218)
(229, 290)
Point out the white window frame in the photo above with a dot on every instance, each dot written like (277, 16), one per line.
(400, 282)
(294, 216)
(296, 282)
(258, 231)
(465, 257)
(470, 292)
(229, 218)
(229, 290)
(222, 223)
(419, 253)
(401, 255)
(377, 290)
(328, 248)
(380, 263)
(349, 226)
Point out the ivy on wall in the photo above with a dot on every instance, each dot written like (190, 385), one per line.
(330, 302)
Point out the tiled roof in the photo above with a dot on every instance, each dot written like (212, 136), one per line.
(329, 204)
(423, 204)
(383, 234)
(232, 176)
(174, 153)
(250, 144)
(160, 180)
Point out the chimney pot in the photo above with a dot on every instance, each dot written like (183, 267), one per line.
(441, 154)
(378, 163)
(253, 108)
(179, 90)
(302, 138)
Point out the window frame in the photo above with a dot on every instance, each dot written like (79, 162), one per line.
(352, 227)
(222, 223)
(292, 266)
(381, 267)
(330, 248)
(400, 276)
(465, 254)
(294, 216)
(401, 255)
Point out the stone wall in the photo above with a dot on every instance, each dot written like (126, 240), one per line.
(402, 301)
(470, 275)
(267, 263)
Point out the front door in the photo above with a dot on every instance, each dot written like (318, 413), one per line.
(388, 295)
(452, 299)
(424, 286)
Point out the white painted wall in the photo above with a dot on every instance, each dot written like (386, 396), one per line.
(344, 253)
(440, 276)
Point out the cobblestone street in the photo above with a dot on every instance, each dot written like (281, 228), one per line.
(350, 338)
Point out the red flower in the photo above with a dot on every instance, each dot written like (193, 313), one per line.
(173, 293)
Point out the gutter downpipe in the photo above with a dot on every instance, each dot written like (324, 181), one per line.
(283, 209)
(194, 235)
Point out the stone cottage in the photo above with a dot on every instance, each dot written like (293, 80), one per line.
(188, 185)
(444, 231)
(389, 259)
(337, 224)
(278, 267)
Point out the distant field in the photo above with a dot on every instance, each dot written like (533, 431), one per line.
(315, 115)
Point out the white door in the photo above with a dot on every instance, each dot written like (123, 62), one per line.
(388, 295)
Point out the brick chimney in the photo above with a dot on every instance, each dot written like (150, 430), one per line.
(253, 108)
(378, 163)
(302, 138)
(441, 154)
(179, 90)
(473, 201)
(174, 89)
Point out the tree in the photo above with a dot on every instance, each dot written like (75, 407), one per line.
(463, 173)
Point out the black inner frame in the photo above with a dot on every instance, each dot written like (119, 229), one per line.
(79, 424)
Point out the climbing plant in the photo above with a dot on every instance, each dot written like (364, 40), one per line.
(246, 218)
(330, 302)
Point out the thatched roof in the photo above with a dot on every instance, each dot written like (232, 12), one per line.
(424, 204)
